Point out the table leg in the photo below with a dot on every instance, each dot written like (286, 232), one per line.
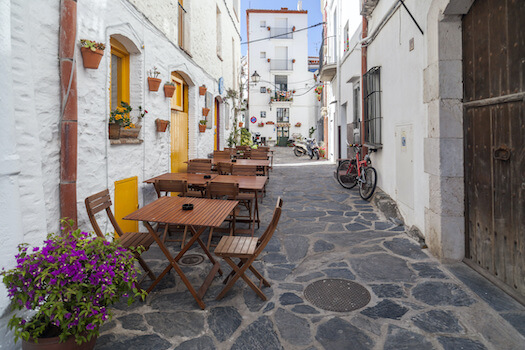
(175, 266)
(203, 246)
(256, 211)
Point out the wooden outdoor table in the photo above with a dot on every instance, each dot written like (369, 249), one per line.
(247, 183)
(168, 210)
(256, 162)
(192, 179)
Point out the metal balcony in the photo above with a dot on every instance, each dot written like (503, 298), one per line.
(277, 64)
(281, 33)
(328, 59)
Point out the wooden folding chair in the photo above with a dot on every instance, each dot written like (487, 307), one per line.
(223, 190)
(167, 187)
(246, 249)
(102, 201)
(224, 168)
(239, 169)
(222, 155)
(199, 168)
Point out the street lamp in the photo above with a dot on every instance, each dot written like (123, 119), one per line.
(256, 77)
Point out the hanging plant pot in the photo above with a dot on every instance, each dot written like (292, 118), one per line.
(205, 111)
(260, 125)
(293, 61)
(202, 90)
(241, 124)
(91, 59)
(54, 343)
(114, 131)
(161, 124)
(202, 127)
(293, 29)
(131, 133)
(268, 60)
(154, 83)
(268, 28)
(169, 90)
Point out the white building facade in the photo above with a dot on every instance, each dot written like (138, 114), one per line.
(435, 103)
(281, 105)
(35, 177)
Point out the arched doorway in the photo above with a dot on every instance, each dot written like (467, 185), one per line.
(179, 124)
(216, 125)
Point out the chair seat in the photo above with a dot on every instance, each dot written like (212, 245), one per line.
(136, 239)
(234, 246)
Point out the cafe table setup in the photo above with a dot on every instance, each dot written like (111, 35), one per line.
(196, 213)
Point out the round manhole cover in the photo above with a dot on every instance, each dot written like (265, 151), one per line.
(191, 260)
(337, 295)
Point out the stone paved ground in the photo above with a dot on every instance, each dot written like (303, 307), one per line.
(325, 232)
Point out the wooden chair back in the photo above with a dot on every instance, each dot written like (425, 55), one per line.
(239, 169)
(268, 233)
(199, 160)
(171, 186)
(259, 155)
(221, 155)
(224, 168)
(263, 148)
(216, 189)
(199, 168)
(95, 204)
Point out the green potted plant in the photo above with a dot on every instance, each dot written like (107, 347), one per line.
(92, 53)
(153, 79)
(68, 286)
(202, 125)
(169, 89)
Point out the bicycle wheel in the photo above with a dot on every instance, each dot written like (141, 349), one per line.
(347, 174)
(367, 188)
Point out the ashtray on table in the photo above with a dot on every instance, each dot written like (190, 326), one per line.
(207, 176)
(187, 206)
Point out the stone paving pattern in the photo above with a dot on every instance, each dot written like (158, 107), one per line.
(325, 231)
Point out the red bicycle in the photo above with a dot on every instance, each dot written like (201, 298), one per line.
(350, 172)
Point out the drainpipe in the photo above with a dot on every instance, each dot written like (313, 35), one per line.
(363, 72)
(69, 117)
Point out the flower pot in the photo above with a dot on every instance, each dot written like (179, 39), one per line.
(169, 90)
(55, 344)
(91, 58)
(205, 111)
(202, 90)
(161, 124)
(131, 133)
(202, 127)
(154, 83)
(114, 131)
(240, 124)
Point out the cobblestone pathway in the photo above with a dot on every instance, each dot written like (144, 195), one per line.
(325, 232)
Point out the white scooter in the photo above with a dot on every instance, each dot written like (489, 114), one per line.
(310, 147)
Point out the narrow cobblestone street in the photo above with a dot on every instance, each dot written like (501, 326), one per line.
(325, 231)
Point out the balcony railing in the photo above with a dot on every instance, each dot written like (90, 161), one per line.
(281, 33)
(327, 53)
(277, 64)
(282, 96)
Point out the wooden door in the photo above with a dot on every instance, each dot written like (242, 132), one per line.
(126, 202)
(179, 141)
(494, 131)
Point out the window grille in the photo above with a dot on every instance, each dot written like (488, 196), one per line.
(372, 107)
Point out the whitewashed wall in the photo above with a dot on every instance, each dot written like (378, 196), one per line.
(302, 109)
(33, 89)
(401, 170)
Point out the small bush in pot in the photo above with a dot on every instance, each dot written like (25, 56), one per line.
(68, 285)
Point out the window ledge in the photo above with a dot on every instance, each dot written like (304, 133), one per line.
(373, 146)
(125, 141)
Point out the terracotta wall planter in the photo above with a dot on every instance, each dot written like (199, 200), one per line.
(91, 59)
(132, 133)
(55, 344)
(169, 90)
(114, 131)
(202, 90)
(205, 111)
(202, 127)
(154, 84)
(161, 124)
(241, 124)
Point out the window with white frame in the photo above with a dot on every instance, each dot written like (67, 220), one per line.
(262, 24)
(357, 104)
(372, 107)
(263, 54)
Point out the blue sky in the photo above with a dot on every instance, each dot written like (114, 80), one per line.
(314, 16)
